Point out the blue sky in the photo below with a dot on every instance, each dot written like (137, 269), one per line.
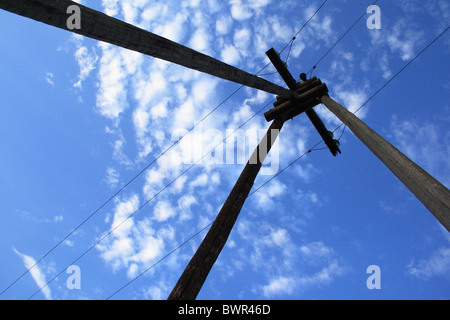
(81, 118)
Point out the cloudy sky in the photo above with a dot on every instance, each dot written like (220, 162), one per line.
(81, 118)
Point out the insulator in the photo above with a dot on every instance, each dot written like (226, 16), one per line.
(338, 144)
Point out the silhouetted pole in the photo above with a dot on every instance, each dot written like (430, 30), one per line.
(193, 277)
(99, 26)
(433, 194)
(282, 69)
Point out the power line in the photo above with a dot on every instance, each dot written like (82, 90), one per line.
(159, 261)
(401, 70)
(118, 192)
(183, 137)
(148, 201)
(362, 106)
(339, 40)
(156, 159)
(291, 42)
(166, 256)
(313, 148)
(304, 25)
(390, 80)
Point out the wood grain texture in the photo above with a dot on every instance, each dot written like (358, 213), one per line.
(99, 26)
(433, 194)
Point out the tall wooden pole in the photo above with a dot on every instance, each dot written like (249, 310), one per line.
(99, 26)
(433, 194)
(193, 277)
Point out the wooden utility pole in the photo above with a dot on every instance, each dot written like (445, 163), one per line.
(193, 277)
(302, 98)
(99, 26)
(433, 194)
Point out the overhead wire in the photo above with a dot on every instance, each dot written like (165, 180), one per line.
(357, 110)
(159, 261)
(117, 193)
(304, 25)
(290, 43)
(148, 201)
(313, 148)
(141, 172)
(221, 142)
(309, 73)
(147, 167)
(390, 80)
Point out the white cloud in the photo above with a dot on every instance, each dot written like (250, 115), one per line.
(384, 65)
(273, 253)
(315, 250)
(156, 293)
(242, 39)
(134, 243)
(277, 286)
(86, 59)
(266, 196)
(245, 9)
(130, 12)
(202, 90)
(279, 237)
(201, 41)
(118, 248)
(111, 7)
(353, 100)
(401, 38)
(239, 10)
(184, 206)
(112, 177)
(230, 55)
(324, 276)
(315, 254)
(112, 94)
(200, 181)
(36, 273)
(141, 119)
(150, 249)
(157, 98)
(320, 28)
(185, 115)
(438, 264)
(163, 211)
(49, 79)
(118, 153)
(173, 29)
(122, 224)
(223, 25)
(306, 172)
(422, 142)
(279, 29)
(159, 111)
